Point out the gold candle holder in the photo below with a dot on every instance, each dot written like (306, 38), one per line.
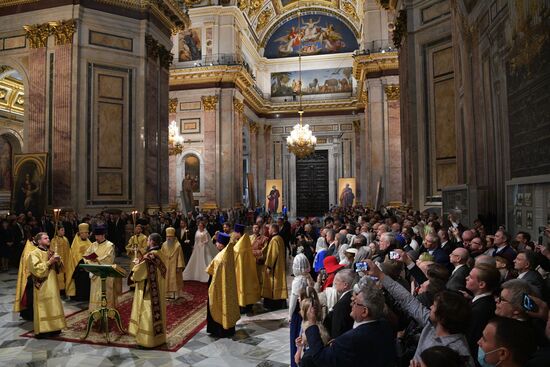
(56, 213)
(134, 215)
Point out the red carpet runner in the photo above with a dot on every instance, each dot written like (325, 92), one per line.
(184, 318)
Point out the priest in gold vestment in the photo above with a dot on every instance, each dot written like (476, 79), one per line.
(43, 264)
(148, 318)
(259, 249)
(23, 289)
(60, 245)
(248, 286)
(78, 281)
(174, 264)
(102, 252)
(137, 245)
(274, 289)
(222, 312)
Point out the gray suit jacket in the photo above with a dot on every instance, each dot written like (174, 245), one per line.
(457, 281)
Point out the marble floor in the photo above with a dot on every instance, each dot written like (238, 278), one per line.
(260, 341)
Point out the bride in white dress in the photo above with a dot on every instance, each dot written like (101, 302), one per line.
(203, 253)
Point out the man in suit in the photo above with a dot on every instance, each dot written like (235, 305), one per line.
(186, 238)
(503, 248)
(483, 281)
(459, 258)
(371, 338)
(525, 263)
(446, 243)
(339, 320)
(433, 247)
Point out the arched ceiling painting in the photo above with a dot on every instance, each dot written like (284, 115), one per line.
(312, 33)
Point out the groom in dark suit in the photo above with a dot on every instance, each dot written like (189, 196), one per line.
(371, 338)
(459, 258)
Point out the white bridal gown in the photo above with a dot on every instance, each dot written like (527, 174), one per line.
(203, 253)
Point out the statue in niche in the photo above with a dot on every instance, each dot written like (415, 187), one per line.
(187, 193)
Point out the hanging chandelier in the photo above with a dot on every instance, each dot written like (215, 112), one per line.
(301, 141)
(175, 140)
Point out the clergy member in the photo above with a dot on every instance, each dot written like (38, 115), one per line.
(102, 252)
(148, 319)
(174, 264)
(259, 248)
(78, 279)
(274, 289)
(60, 245)
(24, 288)
(222, 312)
(248, 286)
(44, 266)
(137, 245)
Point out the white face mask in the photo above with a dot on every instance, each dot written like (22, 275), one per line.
(481, 357)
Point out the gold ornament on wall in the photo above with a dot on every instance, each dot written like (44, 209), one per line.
(357, 125)
(253, 7)
(243, 4)
(239, 106)
(392, 92)
(209, 102)
(263, 18)
(63, 31)
(37, 34)
(172, 105)
(253, 127)
(350, 10)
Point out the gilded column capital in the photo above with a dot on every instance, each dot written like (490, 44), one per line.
(357, 125)
(152, 46)
(209, 102)
(63, 31)
(364, 97)
(239, 106)
(172, 105)
(165, 57)
(37, 34)
(392, 92)
(253, 127)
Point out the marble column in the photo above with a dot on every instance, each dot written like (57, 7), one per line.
(357, 160)
(253, 134)
(261, 170)
(36, 101)
(268, 152)
(394, 181)
(374, 139)
(174, 187)
(209, 117)
(61, 139)
(238, 107)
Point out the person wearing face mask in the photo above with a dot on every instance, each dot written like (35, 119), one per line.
(506, 342)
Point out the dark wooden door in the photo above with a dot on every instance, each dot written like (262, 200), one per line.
(312, 184)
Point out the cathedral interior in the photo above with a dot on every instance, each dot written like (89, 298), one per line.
(434, 105)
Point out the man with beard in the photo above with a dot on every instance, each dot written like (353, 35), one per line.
(274, 289)
(175, 264)
(78, 280)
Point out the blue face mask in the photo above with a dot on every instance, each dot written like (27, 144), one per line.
(481, 357)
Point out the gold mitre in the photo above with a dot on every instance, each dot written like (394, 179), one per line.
(170, 232)
(83, 228)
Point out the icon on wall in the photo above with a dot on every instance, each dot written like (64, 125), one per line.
(274, 199)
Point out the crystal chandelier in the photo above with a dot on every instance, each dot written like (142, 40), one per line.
(175, 140)
(301, 141)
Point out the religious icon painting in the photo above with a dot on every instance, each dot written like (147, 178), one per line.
(346, 192)
(274, 196)
(29, 190)
(529, 219)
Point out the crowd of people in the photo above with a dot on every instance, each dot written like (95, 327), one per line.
(404, 288)
(377, 288)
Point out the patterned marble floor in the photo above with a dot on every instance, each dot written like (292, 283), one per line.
(260, 341)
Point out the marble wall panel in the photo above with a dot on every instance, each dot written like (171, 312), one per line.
(109, 146)
(444, 106)
(110, 41)
(110, 87)
(109, 183)
(37, 94)
(152, 134)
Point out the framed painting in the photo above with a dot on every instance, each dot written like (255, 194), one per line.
(346, 192)
(274, 200)
(29, 190)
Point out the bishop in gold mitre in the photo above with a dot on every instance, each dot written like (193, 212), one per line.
(274, 290)
(44, 266)
(102, 252)
(60, 245)
(174, 264)
(248, 286)
(78, 280)
(148, 318)
(222, 312)
(24, 288)
(137, 245)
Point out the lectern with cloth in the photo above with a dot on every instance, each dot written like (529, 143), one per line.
(104, 313)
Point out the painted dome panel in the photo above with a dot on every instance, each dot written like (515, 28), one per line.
(316, 34)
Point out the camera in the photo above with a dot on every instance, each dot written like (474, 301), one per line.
(394, 255)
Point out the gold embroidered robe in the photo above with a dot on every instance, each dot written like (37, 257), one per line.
(22, 275)
(248, 286)
(222, 292)
(78, 249)
(106, 256)
(140, 241)
(175, 264)
(48, 310)
(141, 320)
(274, 281)
(61, 246)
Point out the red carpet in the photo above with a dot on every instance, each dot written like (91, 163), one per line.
(184, 318)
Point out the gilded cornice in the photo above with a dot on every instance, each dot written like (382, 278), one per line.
(172, 105)
(63, 31)
(363, 65)
(37, 34)
(209, 102)
(6, 3)
(392, 92)
(241, 78)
